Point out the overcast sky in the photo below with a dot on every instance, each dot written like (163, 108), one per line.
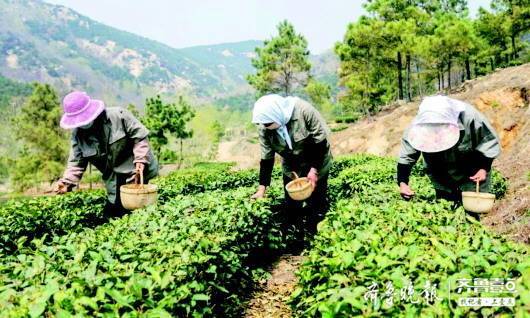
(186, 23)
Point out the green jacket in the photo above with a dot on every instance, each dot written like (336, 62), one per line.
(451, 169)
(306, 127)
(121, 133)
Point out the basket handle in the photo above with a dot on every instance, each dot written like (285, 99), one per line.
(295, 175)
(139, 176)
(477, 186)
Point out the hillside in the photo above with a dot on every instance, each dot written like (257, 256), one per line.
(502, 96)
(54, 44)
(324, 68)
(49, 43)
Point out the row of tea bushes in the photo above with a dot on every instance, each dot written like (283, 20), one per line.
(372, 236)
(185, 258)
(23, 220)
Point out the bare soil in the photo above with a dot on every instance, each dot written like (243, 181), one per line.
(270, 300)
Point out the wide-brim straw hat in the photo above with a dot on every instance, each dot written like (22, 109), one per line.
(433, 137)
(79, 110)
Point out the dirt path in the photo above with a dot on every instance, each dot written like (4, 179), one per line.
(270, 301)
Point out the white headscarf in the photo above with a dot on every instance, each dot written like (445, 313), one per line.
(439, 109)
(275, 109)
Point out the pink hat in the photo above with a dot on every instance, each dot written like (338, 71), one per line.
(80, 110)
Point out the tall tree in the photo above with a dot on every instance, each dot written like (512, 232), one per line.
(494, 31)
(367, 69)
(282, 64)
(454, 40)
(45, 146)
(403, 21)
(168, 119)
(516, 14)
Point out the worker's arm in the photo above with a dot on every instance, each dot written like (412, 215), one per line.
(403, 173)
(485, 139)
(485, 143)
(317, 154)
(408, 157)
(75, 168)
(140, 151)
(136, 131)
(265, 172)
(319, 133)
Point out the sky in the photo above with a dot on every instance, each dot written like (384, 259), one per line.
(187, 23)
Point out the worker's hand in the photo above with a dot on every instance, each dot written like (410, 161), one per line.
(313, 177)
(479, 176)
(61, 187)
(260, 193)
(405, 191)
(140, 167)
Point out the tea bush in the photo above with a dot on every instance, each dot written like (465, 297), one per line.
(185, 258)
(22, 220)
(372, 236)
(191, 255)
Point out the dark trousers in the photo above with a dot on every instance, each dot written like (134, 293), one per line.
(454, 196)
(304, 219)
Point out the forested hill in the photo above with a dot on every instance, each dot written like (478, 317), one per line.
(49, 43)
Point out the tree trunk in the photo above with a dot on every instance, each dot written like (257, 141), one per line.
(449, 74)
(420, 86)
(492, 63)
(439, 81)
(287, 84)
(181, 159)
(367, 104)
(400, 76)
(443, 77)
(409, 93)
(514, 47)
(468, 69)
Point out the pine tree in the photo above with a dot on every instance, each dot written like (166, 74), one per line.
(516, 15)
(167, 119)
(282, 64)
(45, 145)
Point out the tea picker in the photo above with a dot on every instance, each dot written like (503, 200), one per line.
(458, 145)
(295, 130)
(113, 141)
